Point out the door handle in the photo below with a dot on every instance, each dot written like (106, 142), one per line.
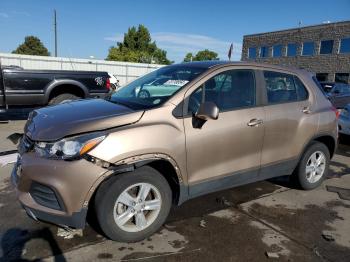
(306, 110)
(255, 122)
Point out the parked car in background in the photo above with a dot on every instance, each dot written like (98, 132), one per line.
(337, 93)
(129, 158)
(114, 81)
(344, 121)
(20, 87)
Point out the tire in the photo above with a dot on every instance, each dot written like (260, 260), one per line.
(306, 180)
(143, 94)
(110, 192)
(63, 98)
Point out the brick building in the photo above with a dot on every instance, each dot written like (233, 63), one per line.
(323, 49)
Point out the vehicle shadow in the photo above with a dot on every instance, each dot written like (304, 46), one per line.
(13, 243)
(344, 146)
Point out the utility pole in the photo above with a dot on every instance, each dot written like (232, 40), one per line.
(55, 27)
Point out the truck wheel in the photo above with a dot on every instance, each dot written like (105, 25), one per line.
(313, 166)
(132, 206)
(63, 98)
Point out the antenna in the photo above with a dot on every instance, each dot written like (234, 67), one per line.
(55, 27)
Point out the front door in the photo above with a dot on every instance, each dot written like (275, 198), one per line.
(224, 152)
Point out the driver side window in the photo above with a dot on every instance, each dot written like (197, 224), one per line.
(229, 90)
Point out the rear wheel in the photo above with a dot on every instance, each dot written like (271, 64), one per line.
(313, 166)
(132, 206)
(63, 98)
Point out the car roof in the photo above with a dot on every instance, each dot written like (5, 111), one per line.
(220, 63)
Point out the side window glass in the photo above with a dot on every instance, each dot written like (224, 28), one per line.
(280, 87)
(301, 89)
(230, 90)
(338, 89)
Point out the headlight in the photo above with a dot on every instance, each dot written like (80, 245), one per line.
(69, 148)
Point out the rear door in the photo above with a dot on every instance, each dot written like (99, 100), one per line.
(290, 122)
(224, 152)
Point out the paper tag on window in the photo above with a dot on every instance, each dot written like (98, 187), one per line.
(176, 82)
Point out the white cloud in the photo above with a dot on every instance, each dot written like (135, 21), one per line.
(21, 13)
(4, 15)
(178, 44)
(116, 38)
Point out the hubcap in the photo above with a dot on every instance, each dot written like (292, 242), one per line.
(315, 167)
(137, 207)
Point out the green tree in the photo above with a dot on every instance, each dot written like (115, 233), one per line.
(188, 57)
(137, 46)
(201, 56)
(31, 46)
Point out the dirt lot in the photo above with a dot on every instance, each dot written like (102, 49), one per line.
(249, 223)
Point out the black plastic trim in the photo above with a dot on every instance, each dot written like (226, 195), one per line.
(76, 220)
(243, 177)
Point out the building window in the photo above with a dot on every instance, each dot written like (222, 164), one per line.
(322, 77)
(345, 45)
(264, 51)
(326, 47)
(277, 51)
(342, 77)
(292, 49)
(252, 52)
(308, 48)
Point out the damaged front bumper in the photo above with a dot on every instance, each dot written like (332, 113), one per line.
(55, 191)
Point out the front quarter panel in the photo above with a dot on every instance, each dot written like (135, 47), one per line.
(158, 134)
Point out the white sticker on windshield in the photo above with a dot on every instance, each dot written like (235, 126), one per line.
(176, 82)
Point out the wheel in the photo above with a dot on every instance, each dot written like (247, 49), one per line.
(132, 206)
(143, 94)
(63, 98)
(313, 166)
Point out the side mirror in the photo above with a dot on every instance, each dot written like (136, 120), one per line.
(207, 110)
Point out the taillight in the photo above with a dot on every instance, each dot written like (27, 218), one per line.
(108, 83)
(336, 112)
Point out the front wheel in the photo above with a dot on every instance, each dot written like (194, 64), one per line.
(313, 166)
(132, 206)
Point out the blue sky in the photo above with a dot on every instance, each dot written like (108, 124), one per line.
(89, 28)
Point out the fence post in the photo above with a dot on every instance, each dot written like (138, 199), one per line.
(127, 73)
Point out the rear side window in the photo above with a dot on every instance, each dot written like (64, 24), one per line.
(301, 89)
(319, 86)
(283, 88)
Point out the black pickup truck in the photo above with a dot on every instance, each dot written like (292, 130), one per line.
(20, 87)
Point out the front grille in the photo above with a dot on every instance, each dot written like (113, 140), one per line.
(25, 145)
(45, 196)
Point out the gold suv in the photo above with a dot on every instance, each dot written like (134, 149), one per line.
(176, 133)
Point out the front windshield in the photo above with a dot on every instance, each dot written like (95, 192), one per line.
(156, 87)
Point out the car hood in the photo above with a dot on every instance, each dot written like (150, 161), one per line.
(55, 122)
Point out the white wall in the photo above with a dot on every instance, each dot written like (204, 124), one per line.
(124, 71)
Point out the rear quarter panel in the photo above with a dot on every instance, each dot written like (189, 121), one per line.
(327, 122)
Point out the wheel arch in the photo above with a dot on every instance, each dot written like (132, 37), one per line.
(326, 139)
(164, 164)
(62, 86)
